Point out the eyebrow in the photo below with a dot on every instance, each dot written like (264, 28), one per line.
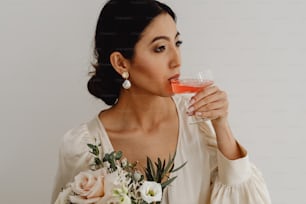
(163, 37)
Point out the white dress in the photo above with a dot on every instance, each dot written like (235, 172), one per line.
(207, 178)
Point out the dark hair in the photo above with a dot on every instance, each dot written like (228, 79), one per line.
(119, 27)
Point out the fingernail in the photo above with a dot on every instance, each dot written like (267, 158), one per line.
(190, 109)
(198, 113)
(191, 101)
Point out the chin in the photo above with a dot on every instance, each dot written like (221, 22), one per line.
(171, 94)
(168, 94)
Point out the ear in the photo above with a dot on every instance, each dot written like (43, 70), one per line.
(119, 62)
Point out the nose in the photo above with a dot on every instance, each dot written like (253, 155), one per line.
(175, 60)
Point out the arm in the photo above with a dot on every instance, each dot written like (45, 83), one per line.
(234, 178)
(226, 142)
(212, 103)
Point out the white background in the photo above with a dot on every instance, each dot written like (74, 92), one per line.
(256, 49)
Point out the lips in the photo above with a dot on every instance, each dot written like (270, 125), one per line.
(176, 76)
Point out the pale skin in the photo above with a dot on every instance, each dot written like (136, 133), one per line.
(144, 121)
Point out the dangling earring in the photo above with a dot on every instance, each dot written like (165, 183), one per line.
(126, 84)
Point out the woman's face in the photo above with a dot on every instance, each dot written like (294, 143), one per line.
(157, 58)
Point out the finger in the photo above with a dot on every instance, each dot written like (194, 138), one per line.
(211, 115)
(204, 93)
(221, 104)
(218, 96)
(217, 105)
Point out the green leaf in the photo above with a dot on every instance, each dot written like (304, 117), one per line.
(94, 149)
(178, 168)
(170, 164)
(98, 161)
(106, 157)
(159, 170)
(166, 183)
(168, 167)
(111, 156)
(150, 171)
(118, 155)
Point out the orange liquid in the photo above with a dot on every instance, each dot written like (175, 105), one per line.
(188, 86)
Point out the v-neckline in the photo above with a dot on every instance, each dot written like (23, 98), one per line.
(107, 144)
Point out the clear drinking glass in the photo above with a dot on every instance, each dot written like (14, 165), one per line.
(187, 87)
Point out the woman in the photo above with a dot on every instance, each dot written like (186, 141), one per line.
(137, 47)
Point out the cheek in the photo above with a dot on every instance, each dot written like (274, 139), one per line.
(146, 67)
(145, 75)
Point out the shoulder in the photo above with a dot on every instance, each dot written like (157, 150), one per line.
(74, 154)
(74, 143)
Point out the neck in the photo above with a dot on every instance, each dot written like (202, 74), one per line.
(143, 111)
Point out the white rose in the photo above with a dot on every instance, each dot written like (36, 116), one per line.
(151, 191)
(88, 187)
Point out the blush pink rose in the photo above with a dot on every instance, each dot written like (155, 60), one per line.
(88, 187)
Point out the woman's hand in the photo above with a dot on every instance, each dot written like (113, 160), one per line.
(210, 103)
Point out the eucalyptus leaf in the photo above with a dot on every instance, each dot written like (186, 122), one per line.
(94, 148)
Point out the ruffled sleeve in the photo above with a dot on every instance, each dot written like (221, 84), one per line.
(74, 157)
(233, 181)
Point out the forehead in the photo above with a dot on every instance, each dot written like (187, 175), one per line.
(162, 24)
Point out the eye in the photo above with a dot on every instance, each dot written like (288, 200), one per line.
(160, 48)
(178, 43)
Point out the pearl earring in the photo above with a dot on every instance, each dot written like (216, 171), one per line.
(126, 84)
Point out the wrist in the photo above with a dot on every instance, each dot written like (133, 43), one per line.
(226, 142)
(220, 122)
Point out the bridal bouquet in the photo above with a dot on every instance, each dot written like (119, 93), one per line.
(114, 180)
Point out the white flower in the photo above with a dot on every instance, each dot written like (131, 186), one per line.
(116, 191)
(119, 196)
(151, 191)
(88, 187)
(119, 191)
(119, 200)
(63, 196)
(124, 199)
(111, 180)
(124, 162)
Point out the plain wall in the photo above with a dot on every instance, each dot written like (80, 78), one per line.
(256, 50)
